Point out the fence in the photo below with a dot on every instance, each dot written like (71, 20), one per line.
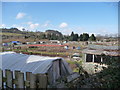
(19, 79)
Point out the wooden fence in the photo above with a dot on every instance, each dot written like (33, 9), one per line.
(19, 79)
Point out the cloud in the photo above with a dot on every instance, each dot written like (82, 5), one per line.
(33, 26)
(63, 25)
(18, 27)
(3, 25)
(20, 15)
(14, 25)
(66, 31)
(47, 23)
(103, 31)
(29, 23)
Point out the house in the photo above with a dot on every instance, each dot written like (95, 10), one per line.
(54, 41)
(54, 67)
(28, 43)
(94, 53)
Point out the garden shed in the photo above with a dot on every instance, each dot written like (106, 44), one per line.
(94, 52)
(54, 67)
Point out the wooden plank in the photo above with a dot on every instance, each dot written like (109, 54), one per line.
(42, 80)
(9, 77)
(31, 79)
(16, 78)
(28, 79)
(19, 76)
(0, 78)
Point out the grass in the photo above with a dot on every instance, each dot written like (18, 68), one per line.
(78, 66)
(76, 70)
(39, 52)
(74, 62)
(10, 34)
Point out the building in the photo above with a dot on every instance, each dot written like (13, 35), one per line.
(54, 67)
(94, 52)
(54, 41)
(15, 42)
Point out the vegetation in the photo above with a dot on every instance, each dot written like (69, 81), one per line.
(48, 34)
(82, 37)
(10, 34)
(76, 65)
(92, 38)
(108, 78)
(63, 54)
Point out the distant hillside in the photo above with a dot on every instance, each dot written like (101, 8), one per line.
(16, 33)
(11, 30)
(15, 30)
(53, 32)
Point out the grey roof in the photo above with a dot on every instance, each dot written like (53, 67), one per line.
(99, 52)
(103, 47)
(29, 63)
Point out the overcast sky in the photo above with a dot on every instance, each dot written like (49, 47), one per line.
(90, 17)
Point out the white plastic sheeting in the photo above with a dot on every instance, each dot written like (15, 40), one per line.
(29, 63)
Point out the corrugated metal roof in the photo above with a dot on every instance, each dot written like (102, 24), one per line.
(99, 52)
(28, 63)
(103, 47)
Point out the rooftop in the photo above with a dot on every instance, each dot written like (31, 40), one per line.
(102, 49)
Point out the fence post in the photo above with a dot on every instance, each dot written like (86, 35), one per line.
(9, 78)
(32, 80)
(19, 76)
(0, 79)
(42, 80)
(28, 79)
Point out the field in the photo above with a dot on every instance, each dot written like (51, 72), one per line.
(11, 34)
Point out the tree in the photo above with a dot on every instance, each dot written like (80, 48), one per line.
(72, 34)
(81, 37)
(75, 37)
(54, 37)
(66, 37)
(71, 38)
(49, 36)
(23, 29)
(42, 36)
(85, 37)
(92, 38)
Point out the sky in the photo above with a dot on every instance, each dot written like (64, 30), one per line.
(80, 17)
